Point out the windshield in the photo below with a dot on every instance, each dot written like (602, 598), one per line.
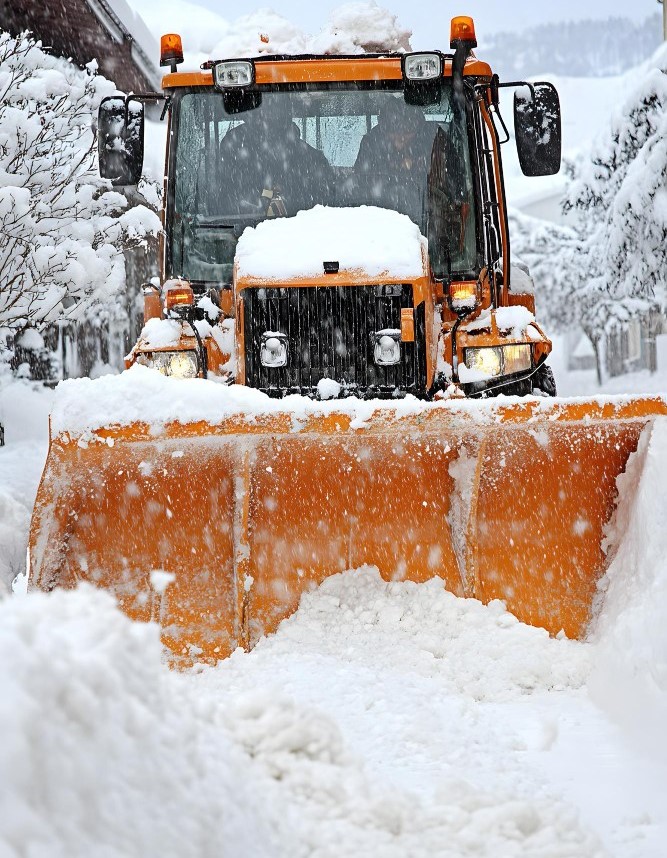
(295, 149)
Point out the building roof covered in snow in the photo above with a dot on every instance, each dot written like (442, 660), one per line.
(83, 30)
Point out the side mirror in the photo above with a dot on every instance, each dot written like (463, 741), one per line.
(537, 128)
(120, 139)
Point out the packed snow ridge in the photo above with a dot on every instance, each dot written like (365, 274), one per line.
(141, 395)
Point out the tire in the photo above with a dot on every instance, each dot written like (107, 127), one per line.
(544, 383)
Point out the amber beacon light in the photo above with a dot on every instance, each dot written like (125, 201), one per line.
(463, 30)
(171, 50)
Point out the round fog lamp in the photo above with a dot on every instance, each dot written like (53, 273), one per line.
(387, 350)
(274, 350)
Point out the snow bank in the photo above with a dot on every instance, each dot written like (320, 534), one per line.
(630, 677)
(105, 752)
(377, 241)
(24, 408)
(101, 751)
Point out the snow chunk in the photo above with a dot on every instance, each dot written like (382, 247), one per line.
(378, 242)
(161, 333)
(327, 388)
(160, 580)
(514, 319)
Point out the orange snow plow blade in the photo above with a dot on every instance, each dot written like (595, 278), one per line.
(502, 501)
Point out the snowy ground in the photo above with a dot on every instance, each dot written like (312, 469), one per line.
(381, 720)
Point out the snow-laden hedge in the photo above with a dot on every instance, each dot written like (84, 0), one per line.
(62, 228)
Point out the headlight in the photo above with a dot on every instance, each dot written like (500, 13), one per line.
(486, 360)
(274, 349)
(233, 73)
(500, 360)
(517, 358)
(387, 351)
(179, 364)
(422, 66)
(463, 295)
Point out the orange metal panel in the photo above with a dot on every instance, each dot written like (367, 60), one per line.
(507, 503)
(408, 325)
(322, 70)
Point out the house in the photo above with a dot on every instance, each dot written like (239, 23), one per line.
(83, 30)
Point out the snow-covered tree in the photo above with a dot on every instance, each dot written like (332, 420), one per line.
(611, 265)
(619, 190)
(62, 228)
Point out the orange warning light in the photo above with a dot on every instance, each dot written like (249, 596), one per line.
(171, 50)
(463, 30)
(178, 293)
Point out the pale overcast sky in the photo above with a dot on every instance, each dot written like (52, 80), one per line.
(429, 19)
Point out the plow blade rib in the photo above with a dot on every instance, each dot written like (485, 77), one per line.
(247, 516)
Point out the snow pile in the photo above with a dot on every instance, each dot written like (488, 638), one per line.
(378, 242)
(102, 754)
(160, 333)
(630, 679)
(404, 670)
(143, 395)
(361, 26)
(352, 28)
(106, 752)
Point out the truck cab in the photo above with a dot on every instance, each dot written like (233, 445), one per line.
(309, 139)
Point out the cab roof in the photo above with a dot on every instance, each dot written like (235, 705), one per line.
(311, 68)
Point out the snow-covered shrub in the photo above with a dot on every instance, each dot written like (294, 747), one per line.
(62, 228)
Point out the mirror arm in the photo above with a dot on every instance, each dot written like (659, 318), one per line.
(492, 104)
(516, 83)
(147, 96)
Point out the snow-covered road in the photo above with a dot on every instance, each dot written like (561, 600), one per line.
(381, 719)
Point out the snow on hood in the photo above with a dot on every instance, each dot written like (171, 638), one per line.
(378, 242)
(160, 333)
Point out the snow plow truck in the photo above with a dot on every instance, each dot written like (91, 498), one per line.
(335, 234)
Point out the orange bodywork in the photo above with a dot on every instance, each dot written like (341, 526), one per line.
(322, 70)
(502, 502)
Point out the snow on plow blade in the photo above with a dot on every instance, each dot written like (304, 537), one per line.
(503, 501)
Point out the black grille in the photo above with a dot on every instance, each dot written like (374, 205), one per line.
(331, 335)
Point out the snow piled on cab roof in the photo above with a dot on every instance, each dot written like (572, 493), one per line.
(351, 28)
(379, 242)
